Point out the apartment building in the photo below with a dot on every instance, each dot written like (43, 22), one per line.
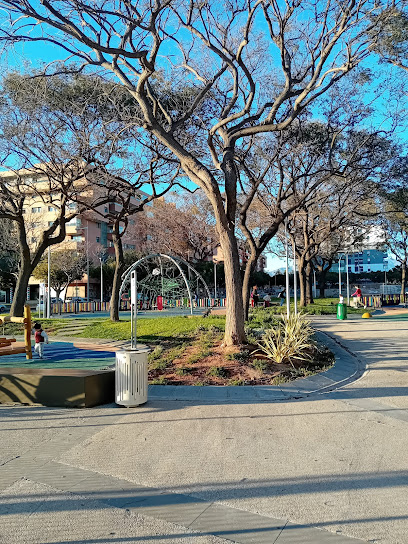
(367, 254)
(89, 232)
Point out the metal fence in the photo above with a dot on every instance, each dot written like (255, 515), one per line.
(92, 307)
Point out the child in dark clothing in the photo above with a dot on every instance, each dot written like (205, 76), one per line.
(41, 338)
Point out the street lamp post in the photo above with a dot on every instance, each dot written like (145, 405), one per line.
(287, 271)
(215, 279)
(314, 284)
(339, 275)
(87, 258)
(341, 255)
(101, 261)
(49, 284)
(294, 277)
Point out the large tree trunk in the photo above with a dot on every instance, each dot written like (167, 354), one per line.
(302, 286)
(309, 284)
(117, 278)
(250, 265)
(403, 279)
(235, 323)
(24, 273)
(20, 293)
(322, 282)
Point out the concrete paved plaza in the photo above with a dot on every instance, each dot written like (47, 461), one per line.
(322, 461)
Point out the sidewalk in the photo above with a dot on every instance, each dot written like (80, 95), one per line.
(318, 463)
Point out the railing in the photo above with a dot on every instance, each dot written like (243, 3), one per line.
(393, 299)
(372, 301)
(92, 307)
(79, 307)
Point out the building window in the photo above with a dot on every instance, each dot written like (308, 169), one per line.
(98, 225)
(50, 223)
(111, 243)
(110, 228)
(106, 209)
(37, 209)
(72, 206)
(51, 209)
(98, 239)
(77, 238)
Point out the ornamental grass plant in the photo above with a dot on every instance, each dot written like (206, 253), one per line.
(290, 340)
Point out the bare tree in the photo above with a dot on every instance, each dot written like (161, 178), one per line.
(49, 154)
(251, 81)
(183, 225)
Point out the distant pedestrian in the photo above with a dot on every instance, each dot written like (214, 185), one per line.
(41, 338)
(254, 296)
(282, 296)
(267, 300)
(358, 296)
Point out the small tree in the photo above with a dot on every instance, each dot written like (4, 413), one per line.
(67, 265)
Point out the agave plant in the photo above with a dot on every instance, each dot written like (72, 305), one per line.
(290, 340)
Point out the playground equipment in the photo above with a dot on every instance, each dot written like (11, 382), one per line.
(6, 343)
(164, 281)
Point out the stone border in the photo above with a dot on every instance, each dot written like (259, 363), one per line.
(346, 369)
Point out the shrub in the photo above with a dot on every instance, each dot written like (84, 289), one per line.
(241, 356)
(261, 318)
(290, 340)
(218, 372)
(155, 354)
(280, 379)
(159, 381)
(260, 365)
(183, 370)
(237, 381)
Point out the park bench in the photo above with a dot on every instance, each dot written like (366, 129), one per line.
(6, 344)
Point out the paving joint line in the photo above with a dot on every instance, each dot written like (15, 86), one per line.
(133, 506)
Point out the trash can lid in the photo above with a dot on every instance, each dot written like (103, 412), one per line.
(141, 348)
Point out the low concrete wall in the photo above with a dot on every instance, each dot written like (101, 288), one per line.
(63, 387)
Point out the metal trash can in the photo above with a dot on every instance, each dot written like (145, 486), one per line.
(131, 376)
(341, 311)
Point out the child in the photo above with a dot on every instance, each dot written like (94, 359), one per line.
(40, 337)
(358, 295)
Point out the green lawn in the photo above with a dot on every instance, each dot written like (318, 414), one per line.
(148, 330)
(321, 306)
(51, 326)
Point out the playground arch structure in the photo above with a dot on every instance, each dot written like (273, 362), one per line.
(159, 275)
